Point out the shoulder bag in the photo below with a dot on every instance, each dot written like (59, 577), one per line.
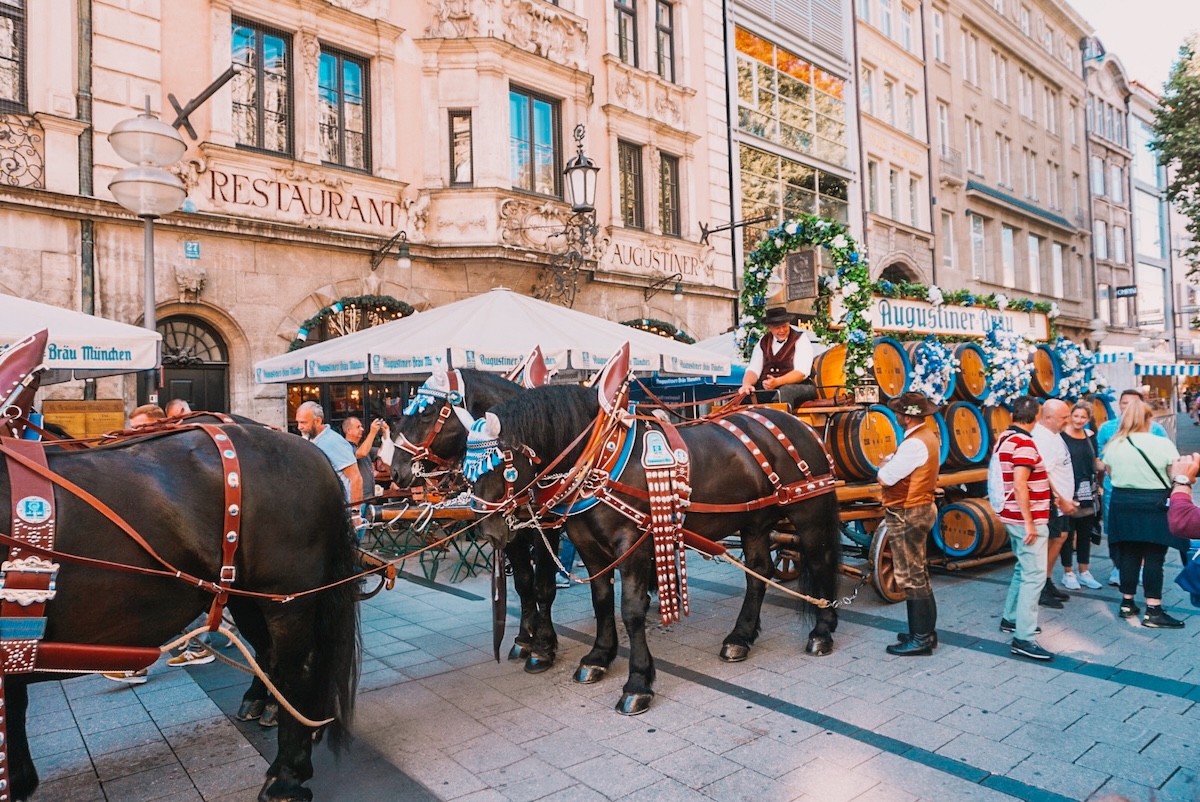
(1166, 501)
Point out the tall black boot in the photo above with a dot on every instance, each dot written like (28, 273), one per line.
(922, 617)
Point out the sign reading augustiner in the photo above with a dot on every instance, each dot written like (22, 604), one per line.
(326, 199)
(922, 317)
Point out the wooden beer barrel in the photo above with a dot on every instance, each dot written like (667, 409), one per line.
(969, 439)
(1102, 411)
(937, 422)
(973, 384)
(997, 419)
(829, 372)
(860, 439)
(969, 528)
(892, 367)
(1047, 370)
(914, 351)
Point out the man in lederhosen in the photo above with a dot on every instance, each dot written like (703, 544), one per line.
(909, 478)
(782, 359)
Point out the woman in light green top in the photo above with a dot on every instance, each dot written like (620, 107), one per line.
(1139, 463)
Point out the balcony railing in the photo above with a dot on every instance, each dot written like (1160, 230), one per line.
(951, 164)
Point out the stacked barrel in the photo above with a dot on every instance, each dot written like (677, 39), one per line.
(859, 440)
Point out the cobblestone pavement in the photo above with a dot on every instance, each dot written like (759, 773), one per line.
(1117, 712)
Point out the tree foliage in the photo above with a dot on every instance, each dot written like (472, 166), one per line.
(1177, 140)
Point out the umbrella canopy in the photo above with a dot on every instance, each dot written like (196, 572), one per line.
(492, 331)
(80, 346)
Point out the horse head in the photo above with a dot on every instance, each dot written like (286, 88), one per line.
(502, 473)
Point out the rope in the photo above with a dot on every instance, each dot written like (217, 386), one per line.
(822, 603)
(253, 668)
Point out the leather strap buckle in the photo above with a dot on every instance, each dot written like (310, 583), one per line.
(228, 573)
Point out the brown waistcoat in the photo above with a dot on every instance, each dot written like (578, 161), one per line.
(916, 489)
(780, 362)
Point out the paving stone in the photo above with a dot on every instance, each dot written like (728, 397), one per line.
(575, 793)
(96, 722)
(52, 743)
(998, 758)
(218, 780)
(531, 778)
(694, 767)
(64, 764)
(1183, 786)
(1151, 718)
(667, 789)
(163, 782)
(973, 720)
(617, 776)
(646, 744)
(918, 732)
(1182, 748)
(1069, 779)
(768, 757)
(1103, 729)
(115, 765)
(1135, 766)
(77, 788)
(867, 689)
(1040, 739)
(1039, 712)
(823, 780)
(133, 735)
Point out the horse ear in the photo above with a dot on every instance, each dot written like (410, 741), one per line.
(438, 380)
(491, 425)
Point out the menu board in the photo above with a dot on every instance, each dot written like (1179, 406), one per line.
(86, 418)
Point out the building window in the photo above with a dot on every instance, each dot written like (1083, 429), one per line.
(668, 195)
(867, 79)
(262, 92)
(894, 194)
(1117, 184)
(1118, 243)
(462, 170)
(1056, 270)
(873, 186)
(1073, 123)
(1024, 18)
(344, 119)
(1098, 176)
(943, 117)
(1004, 160)
(664, 27)
(910, 113)
(1104, 301)
(626, 31)
(1000, 77)
(939, 36)
(1075, 193)
(978, 248)
(629, 162)
(1050, 99)
(785, 99)
(1100, 239)
(1025, 93)
(1147, 216)
(885, 17)
(1122, 315)
(12, 55)
(906, 26)
(889, 101)
(533, 143)
(1048, 40)
(914, 202)
(1035, 264)
(999, 6)
(1031, 190)
(1052, 185)
(1008, 257)
(864, 10)
(784, 189)
(974, 146)
(948, 245)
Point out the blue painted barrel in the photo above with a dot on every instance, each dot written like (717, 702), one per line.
(937, 422)
(892, 368)
(1047, 372)
(968, 436)
(972, 383)
(969, 528)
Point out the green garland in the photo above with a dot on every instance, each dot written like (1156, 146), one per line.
(395, 307)
(661, 328)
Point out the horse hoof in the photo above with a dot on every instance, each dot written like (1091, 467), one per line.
(735, 652)
(535, 664)
(250, 709)
(270, 715)
(819, 646)
(633, 704)
(518, 652)
(276, 790)
(587, 675)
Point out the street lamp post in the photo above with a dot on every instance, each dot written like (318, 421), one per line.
(580, 232)
(147, 190)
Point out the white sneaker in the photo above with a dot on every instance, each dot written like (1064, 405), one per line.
(1070, 581)
(191, 658)
(128, 677)
(1114, 578)
(1088, 581)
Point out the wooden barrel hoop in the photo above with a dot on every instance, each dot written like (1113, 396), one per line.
(973, 384)
(860, 439)
(892, 367)
(969, 528)
(969, 439)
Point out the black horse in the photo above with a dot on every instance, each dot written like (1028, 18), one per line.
(170, 489)
(547, 420)
(533, 569)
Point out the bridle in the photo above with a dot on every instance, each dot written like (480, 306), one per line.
(451, 404)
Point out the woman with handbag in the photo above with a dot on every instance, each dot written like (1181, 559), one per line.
(1085, 521)
(1139, 463)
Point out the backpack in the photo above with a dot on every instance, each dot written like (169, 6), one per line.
(995, 478)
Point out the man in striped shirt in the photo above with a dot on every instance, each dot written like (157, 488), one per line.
(1026, 515)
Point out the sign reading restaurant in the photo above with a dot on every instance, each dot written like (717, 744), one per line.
(922, 317)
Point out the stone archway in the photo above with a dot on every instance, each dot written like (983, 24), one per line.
(898, 272)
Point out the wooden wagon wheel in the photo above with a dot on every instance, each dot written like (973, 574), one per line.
(787, 566)
(883, 576)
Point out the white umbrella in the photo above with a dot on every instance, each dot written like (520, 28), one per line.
(492, 331)
(80, 346)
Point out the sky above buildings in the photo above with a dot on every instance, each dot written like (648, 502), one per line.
(1144, 34)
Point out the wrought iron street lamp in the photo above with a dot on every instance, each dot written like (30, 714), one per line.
(581, 174)
(559, 280)
(147, 190)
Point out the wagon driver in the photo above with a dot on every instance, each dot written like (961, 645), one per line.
(909, 478)
(782, 359)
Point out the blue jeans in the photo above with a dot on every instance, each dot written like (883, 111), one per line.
(1028, 579)
(566, 553)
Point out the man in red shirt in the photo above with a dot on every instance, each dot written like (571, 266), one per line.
(1026, 515)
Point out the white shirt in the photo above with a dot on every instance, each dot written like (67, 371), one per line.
(911, 454)
(1058, 461)
(802, 361)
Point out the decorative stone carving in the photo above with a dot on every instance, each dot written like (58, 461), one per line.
(524, 224)
(22, 151)
(310, 56)
(668, 110)
(349, 5)
(416, 208)
(189, 172)
(452, 19)
(543, 29)
(295, 172)
(463, 223)
(190, 280)
(628, 92)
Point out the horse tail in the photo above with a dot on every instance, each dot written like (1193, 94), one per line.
(339, 640)
(822, 554)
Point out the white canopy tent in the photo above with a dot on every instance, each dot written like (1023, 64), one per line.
(492, 331)
(80, 346)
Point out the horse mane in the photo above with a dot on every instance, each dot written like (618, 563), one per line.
(479, 384)
(548, 418)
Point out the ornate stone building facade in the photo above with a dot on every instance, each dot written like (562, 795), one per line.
(352, 121)
(1007, 101)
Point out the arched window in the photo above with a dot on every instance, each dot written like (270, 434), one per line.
(195, 365)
